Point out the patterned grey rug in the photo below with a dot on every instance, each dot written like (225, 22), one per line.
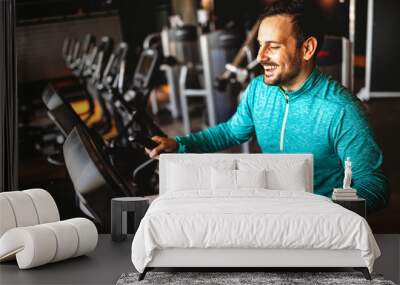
(243, 278)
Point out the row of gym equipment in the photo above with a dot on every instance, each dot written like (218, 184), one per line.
(102, 146)
(102, 132)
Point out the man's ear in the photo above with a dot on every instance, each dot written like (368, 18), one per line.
(309, 48)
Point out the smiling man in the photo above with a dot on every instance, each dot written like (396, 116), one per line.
(293, 108)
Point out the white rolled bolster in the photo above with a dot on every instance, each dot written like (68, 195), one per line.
(40, 244)
(67, 240)
(7, 218)
(23, 208)
(26, 208)
(87, 235)
(45, 205)
(32, 246)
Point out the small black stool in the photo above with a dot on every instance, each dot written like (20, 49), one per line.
(119, 209)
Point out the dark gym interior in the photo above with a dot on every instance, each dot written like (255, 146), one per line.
(86, 84)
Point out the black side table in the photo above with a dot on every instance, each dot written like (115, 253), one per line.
(119, 209)
(358, 206)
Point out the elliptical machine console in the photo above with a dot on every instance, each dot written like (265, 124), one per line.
(145, 70)
(140, 126)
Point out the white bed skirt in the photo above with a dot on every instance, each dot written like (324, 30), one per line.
(193, 257)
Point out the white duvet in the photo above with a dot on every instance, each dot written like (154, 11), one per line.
(253, 218)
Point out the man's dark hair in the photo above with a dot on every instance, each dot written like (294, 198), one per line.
(307, 18)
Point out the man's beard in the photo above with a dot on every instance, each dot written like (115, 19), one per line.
(283, 78)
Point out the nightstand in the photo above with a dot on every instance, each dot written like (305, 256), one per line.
(358, 206)
(119, 209)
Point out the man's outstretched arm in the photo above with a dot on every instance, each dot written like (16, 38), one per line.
(238, 129)
(353, 138)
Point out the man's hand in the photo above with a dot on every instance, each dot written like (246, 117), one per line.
(164, 145)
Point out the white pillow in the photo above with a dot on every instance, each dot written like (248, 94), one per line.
(184, 175)
(251, 178)
(281, 174)
(223, 179)
(237, 179)
(292, 180)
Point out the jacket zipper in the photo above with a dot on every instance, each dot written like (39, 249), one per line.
(284, 120)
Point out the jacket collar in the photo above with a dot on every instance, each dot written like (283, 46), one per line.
(307, 85)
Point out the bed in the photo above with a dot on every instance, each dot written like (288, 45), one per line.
(247, 210)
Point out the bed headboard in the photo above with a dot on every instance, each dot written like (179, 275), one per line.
(237, 158)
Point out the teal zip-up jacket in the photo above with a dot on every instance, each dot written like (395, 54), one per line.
(321, 118)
